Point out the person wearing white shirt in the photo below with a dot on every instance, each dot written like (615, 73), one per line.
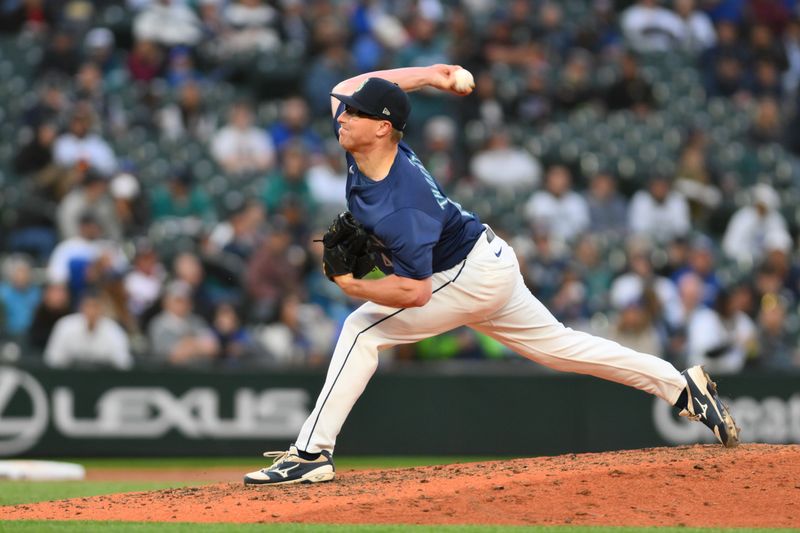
(168, 22)
(558, 210)
(77, 253)
(699, 34)
(241, 148)
(659, 212)
(752, 226)
(717, 340)
(630, 287)
(88, 338)
(500, 165)
(79, 146)
(648, 27)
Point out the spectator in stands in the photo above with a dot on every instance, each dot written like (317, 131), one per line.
(130, 206)
(88, 338)
(290, 179)
(440, 151)
(177, 336)
(91, 197)
(146, 61)
(188, 116)
(791, 43)
(241, 233)
(608, 210)
(569, 304)
(763, 46)
(503, 45)
(295, 126)
(640, 283)
(167, 22)
(702, 263)
(777, 347)
(720, 339)
(767, 125)
(551, 31)
(19, 295)
(535, 104)
(746, 235)
(37, 154)
(521, 171)
(593, 270)
(235, 342)
(631, 90)
(61, 55)
(543, 267)
(34, 16)
(187, 268)
(85, 258)
(144, 282)
(575, 87)
(698, 31)
(302, 334)
(558, 209)
(240, 147)
(80, 146)
(181, 68)
(695, 180)
(659, 211)
(327, 178)
(52, 104)
(778, 260)
(483, 105)
(648, 27)
(55, 304)
(99, 45)
(333, 64)
(181, 198)
(271, 274)
(89, 89)
(634, 327)
(252, 28)
(766, 81)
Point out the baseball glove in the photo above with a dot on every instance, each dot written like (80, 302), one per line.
(347, 248)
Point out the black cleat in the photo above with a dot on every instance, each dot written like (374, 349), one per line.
(703, 405)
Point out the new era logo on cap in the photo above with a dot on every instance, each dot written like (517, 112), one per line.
(380, 98)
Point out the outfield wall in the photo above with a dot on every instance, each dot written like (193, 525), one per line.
(106, 413)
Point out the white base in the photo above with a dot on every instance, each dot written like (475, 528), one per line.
(40, 470)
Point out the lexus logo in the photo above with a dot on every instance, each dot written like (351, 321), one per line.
(18, 433)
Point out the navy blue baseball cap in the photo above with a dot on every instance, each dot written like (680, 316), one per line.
(380, 99)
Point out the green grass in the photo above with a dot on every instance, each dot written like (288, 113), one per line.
(137, 527)
(14, 492)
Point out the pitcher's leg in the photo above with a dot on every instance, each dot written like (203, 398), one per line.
(368, 330)
(527, 327)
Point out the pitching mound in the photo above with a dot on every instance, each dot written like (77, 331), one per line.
(753, 485)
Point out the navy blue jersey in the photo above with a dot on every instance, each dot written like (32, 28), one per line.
(419, 229)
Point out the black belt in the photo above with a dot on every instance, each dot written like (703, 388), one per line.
(489, 234)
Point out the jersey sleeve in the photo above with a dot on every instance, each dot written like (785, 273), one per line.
(410, 235)
(336, 125)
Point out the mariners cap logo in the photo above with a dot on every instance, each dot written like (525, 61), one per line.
(362, 84)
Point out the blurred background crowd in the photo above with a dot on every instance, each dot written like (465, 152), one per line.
(165, 166)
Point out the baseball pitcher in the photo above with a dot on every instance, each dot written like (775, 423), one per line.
(444, 269)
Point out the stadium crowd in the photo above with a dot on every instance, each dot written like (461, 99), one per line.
(173, 162)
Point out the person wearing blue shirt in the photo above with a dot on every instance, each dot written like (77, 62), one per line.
(444, 269)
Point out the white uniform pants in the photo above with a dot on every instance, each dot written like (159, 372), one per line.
(485, 292)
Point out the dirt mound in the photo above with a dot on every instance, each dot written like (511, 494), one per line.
(750, 486)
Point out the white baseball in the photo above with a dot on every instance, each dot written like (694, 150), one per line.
(463, 82)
